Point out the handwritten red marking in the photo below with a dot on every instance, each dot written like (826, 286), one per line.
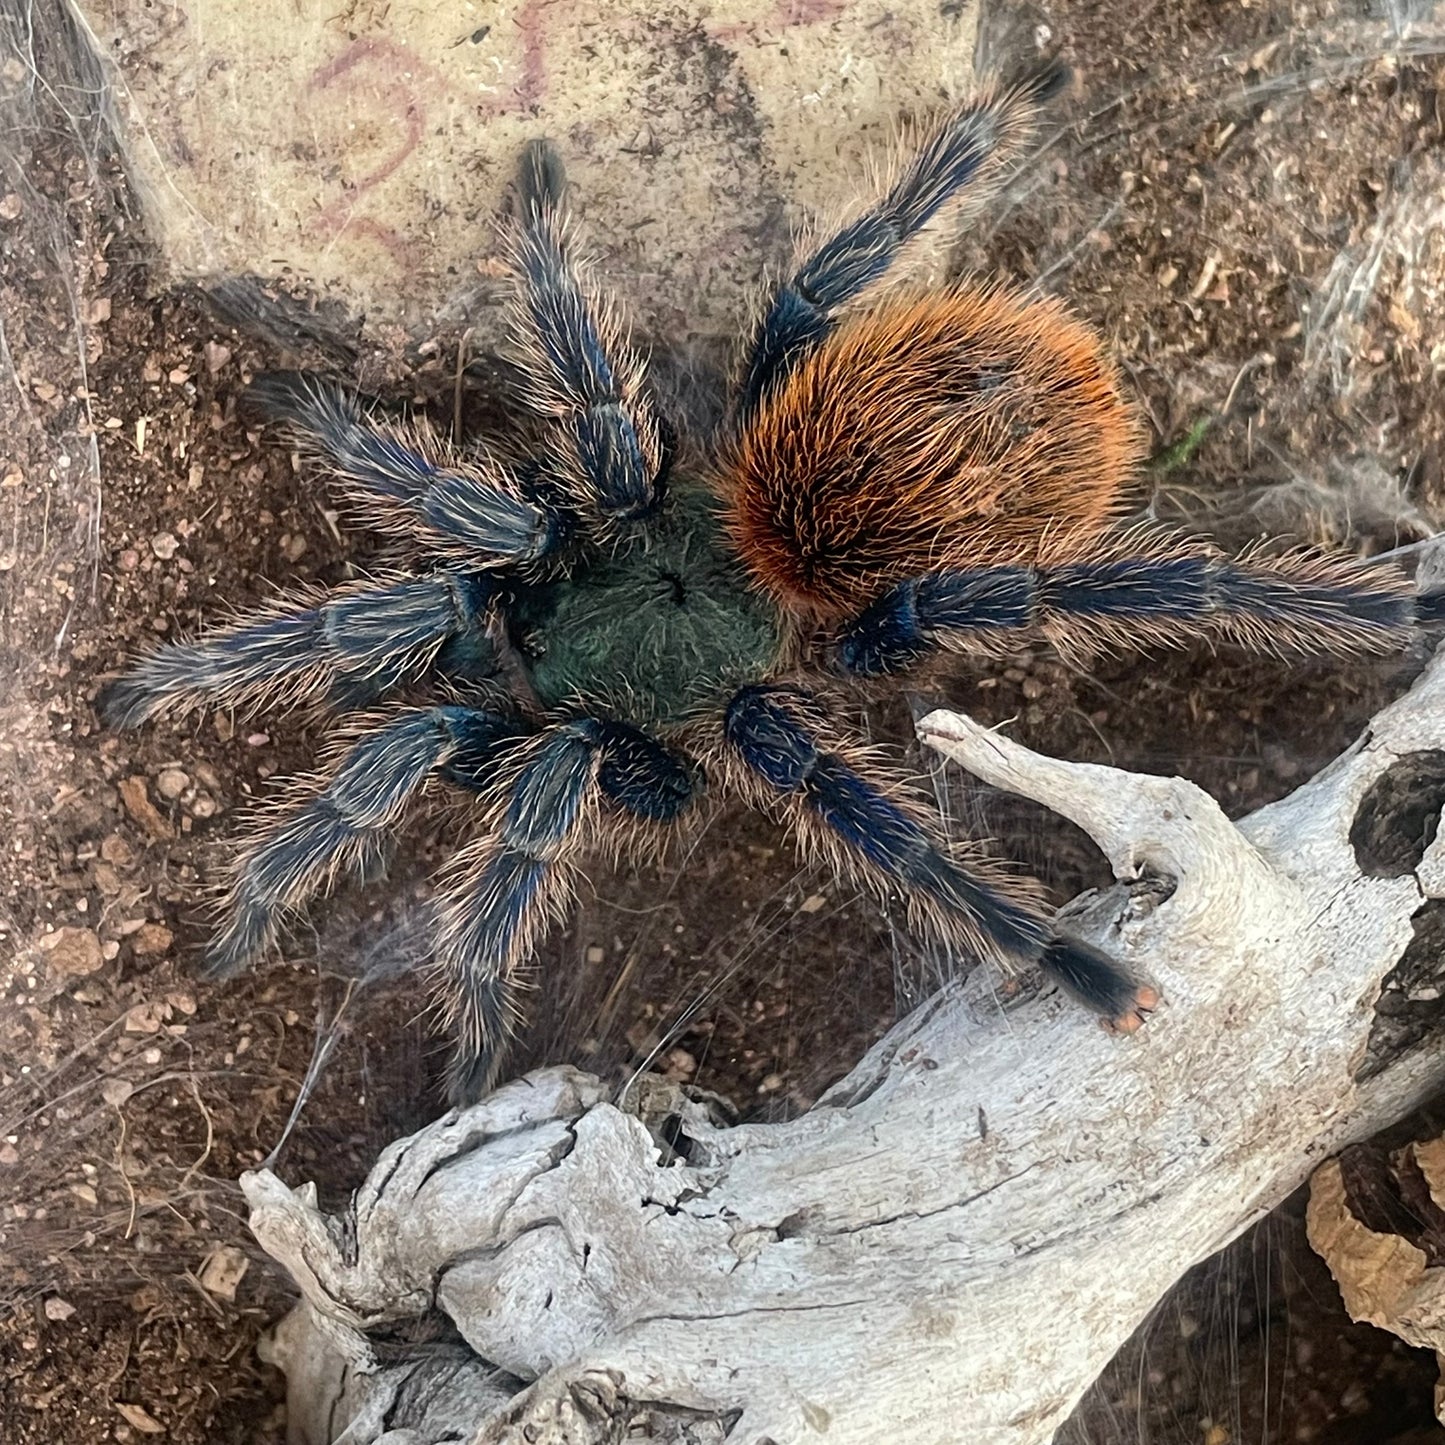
(532, 85)
(382, 67)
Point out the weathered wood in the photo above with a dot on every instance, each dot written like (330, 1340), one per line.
(962, 1232)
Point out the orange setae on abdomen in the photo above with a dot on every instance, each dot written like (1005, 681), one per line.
(966, 429)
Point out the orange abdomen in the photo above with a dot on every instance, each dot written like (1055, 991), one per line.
(962, 429)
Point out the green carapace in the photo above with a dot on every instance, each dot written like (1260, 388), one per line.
(668, 629)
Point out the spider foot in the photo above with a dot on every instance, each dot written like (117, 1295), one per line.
(473, 1074)
(1098, 981)
(1136, 1014)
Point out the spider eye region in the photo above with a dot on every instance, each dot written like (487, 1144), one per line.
(674, 587)
(668, 630)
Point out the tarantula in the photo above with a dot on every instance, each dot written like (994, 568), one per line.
(901, 471)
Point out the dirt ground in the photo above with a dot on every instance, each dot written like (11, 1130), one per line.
(1244, 199)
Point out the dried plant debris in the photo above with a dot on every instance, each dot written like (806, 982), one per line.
(1377, 1217)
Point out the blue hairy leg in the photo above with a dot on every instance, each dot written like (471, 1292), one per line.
(407, 480)
(1294, 605)
(848, 809)
(970, 145)
(355, 643)
(344, 826)
(580, 367)
(505, 889)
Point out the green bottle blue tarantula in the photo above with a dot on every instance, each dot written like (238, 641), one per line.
(900, 471)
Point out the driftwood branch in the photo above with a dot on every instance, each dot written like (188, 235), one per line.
(956, 1239)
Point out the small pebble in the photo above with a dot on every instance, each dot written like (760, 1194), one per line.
(72, 953)
(222, 1270)
(164, 546)
(58, 1309)
(679, 1064)
(145, 1018)
(172, 782)
(138, 804)
(151, 940)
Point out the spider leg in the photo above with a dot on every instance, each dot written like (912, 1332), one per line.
(580, 367)
(407, 481)
(1140, 591)
(971, 146)
(504, 890)
(358, 640)
(840, 802)
(343, 827)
